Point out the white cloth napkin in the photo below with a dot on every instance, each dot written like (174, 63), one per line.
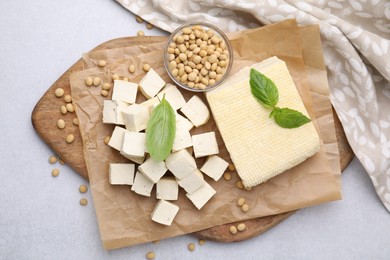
(356, 47)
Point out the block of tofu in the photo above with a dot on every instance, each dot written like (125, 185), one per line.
(202, 195)
(109, 112)
(181, 164)
(153, 170)
(133, 144)
(214, 167)
(182, 122)
(205, 144)
(142, 185)
(124, 91)
(135, 117)
(258, 147)
(151, 84)
(121, 173)
(196, 111)
(182, 139)
(167, 189)
(164, 212)
(173, 96)
(120, 106)
(150, 104)
(192, 182)
(116, 140)
(112, 111)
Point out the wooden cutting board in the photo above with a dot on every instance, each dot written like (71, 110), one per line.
(46, 113)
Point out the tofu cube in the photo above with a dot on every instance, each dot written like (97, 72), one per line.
(201, 196)
(151, 84)
(120, 106)
(150, 104)
(164, 212)
(205, 144)
(214, 167)
(153, 170)
(196, 111)
(124, 91)
(121, 173)
(167, 189)
(173, 96)
(135, 117)
(109, 112)
(142, 185)
(116, 140)
(133, 144)
(182, 122)
(192, 182)
(181, 164)
(182, 139)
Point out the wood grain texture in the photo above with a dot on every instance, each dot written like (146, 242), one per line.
(47, 112)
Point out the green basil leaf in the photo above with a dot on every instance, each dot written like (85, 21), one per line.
(161, 131)
(263, 89)
(289, 118)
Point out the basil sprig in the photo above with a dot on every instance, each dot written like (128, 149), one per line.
(161, 131)
(267, 94)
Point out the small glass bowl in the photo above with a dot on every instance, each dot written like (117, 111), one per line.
(217, 32)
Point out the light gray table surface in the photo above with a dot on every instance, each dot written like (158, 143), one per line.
(40, 216)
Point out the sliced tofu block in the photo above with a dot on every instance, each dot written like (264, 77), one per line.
(121, 173)
(173, 96)
(182, 139)
(205, 144)
(142, 185)
(124, 91)
(135, 117)
(214, 167)
(116, 139)
(196, 111)
(153, 170)
(266, 145)
(150, 104)
(151, 84)
(182, 122)
(192, 182)
(167, 189)
(201, 196)
(164, 212)
(181, 164)
(133, 144)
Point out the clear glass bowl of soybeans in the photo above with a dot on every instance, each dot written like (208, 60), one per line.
(198, 56)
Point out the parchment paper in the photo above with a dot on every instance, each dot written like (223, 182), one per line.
(124, 217)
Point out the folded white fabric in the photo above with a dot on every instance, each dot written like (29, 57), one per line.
(357, 54)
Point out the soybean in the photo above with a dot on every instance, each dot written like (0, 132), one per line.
(69, 138)
(59, 92)
(61, 124)
(102, 63)
(146, 67)
(55, 172)
(83, 189)
(52, 159)
(191, 246)
(132, 68)
(83, 202)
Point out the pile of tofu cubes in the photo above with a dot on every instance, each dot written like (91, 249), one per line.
(129, 140)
